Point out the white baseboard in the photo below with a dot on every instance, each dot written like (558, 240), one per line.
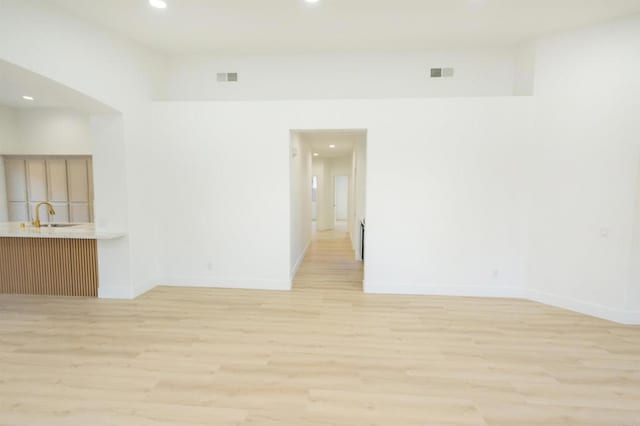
(140, 290)
(115, 292)
(463, 291)
(620, 316)
(296, 266)
(212, 282)
(126, 292)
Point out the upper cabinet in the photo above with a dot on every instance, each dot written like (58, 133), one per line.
(16, 179)
(57, 180)
(37, 180)
(78, 181)
(66, 183)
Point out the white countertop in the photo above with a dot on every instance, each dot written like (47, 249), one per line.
(85, 231)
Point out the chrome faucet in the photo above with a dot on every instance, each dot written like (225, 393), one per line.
(52, 211)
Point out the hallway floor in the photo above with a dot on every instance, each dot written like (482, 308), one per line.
(322, 354)
(330, 263)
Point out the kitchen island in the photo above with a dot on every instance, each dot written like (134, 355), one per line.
(56, 261)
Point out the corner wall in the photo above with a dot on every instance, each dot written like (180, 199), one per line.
(584, 170)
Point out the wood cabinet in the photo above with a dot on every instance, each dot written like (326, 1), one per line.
(49, 266)
(65, 182)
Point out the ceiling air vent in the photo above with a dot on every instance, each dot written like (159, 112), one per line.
(442, 72)
(227, 77)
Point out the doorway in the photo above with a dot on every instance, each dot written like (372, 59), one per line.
(340, 201)
(328, 205)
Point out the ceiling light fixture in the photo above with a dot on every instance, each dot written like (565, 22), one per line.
(158, 4)
(28, 98)
(315, 154)
(332, 146)
(312, 1)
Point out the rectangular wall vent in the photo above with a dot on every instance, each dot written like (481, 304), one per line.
(442, 72)
(227, 77)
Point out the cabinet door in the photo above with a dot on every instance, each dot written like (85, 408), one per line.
(16, 180)
(80, 213)
(37, 180)
(57, 180)
(18, 212)
(78, 181)
(90, 179)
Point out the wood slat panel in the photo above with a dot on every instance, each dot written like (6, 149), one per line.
(49, 266)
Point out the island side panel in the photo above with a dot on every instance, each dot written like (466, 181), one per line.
(48, 266)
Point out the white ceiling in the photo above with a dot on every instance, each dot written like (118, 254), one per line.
(196, 26)
(16, 82)
(344, 141)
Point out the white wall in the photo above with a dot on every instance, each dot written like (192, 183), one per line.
(633, 289)
(300, 201)
(49, 132)
(525, 69)
(456, 178)
(584, 175)
(359, 194)
(483, 72)
(8, 135)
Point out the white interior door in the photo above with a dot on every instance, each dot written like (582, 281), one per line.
(341, 193)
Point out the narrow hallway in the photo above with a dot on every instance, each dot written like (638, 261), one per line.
(330, 263)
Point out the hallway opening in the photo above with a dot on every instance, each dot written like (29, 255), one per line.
(328, 208)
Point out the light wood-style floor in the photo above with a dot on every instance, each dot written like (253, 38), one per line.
(322, 354)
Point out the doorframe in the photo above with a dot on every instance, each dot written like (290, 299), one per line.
(335, 208)
(354, 233)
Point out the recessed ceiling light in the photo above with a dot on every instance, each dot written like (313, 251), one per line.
(27, 98)
(158, 4)
(332, 146)
(312, 1)
(315, 154)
